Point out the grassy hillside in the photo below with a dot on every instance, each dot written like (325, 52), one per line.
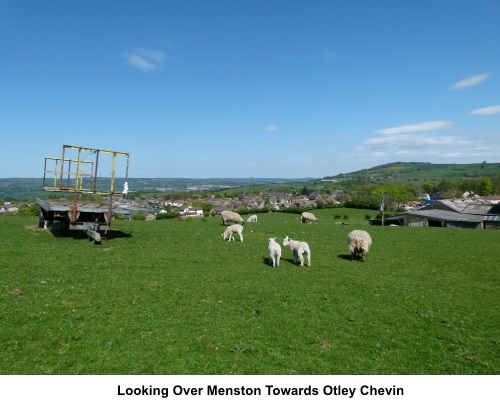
(171, 297)
(419, 173)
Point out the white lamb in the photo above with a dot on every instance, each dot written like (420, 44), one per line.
(308, 217)
(229, 216)
(235, 228)
(274, 249)
(252, 218)
(359, 243)
(299, 249)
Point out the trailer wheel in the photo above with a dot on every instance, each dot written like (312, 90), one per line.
(41, 218)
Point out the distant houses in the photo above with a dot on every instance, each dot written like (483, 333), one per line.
(470, 211)
(189, 211)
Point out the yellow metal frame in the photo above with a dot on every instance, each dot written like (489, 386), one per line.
(63, 179)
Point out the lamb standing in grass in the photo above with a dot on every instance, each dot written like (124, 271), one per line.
(308, 217)
(299, 249)
(252, 218)
(359, 243)
(274, 251)
(230, 216)
(235, 228)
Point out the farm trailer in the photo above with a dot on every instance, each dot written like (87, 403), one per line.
(76, 172)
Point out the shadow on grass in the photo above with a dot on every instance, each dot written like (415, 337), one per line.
(348, 258)
(113, 234)
(269, 263)
(80, 234)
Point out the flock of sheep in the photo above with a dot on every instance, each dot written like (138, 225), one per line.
(358, 241)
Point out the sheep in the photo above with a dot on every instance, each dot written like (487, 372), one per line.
(359, 243)
(308, 217)
(274, 249)
(232, 229)
(252, 218)
(229, 216)
(299, 249)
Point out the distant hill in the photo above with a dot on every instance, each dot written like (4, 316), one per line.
(418, 173)
(415, 173)
(30, 188)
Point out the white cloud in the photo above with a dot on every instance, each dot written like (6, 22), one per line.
(495, 109)
(145, 59)
(406, 141)
(461, 146)
(470, 81)
(419, 127)
(457, 145)
(271, 128)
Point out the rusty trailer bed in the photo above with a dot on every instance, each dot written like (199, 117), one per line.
(89, 216)
(67, 205)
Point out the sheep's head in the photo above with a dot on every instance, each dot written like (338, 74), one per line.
(286, 241)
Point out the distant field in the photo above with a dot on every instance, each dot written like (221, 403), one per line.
(171, 297)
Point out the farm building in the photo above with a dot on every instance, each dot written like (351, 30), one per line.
(477, 207)
(450, 214)
(483, 211)
(442, 218)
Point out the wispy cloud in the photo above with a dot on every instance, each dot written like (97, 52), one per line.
(428, 126)
(414, 141)
(461, 145)
(145, 59)
(271, 128)
(495, 109)
(470, 81)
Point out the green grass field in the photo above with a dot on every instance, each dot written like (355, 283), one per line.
(171, 297)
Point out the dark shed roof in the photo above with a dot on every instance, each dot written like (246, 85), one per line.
(447, 216)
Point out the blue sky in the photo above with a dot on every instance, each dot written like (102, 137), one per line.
(240, 88)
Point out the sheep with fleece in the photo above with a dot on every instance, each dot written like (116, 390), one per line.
(274, 249)
(252, 218)
(230, 216)
(299, 249)
(308, 217)
(359, 243)
(234, 228)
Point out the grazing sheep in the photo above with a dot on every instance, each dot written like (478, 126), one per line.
(359, 243)
(232, 229)
(229, 216)
(299, 249)
(274, 249)
(308, 217)
(252, 218)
